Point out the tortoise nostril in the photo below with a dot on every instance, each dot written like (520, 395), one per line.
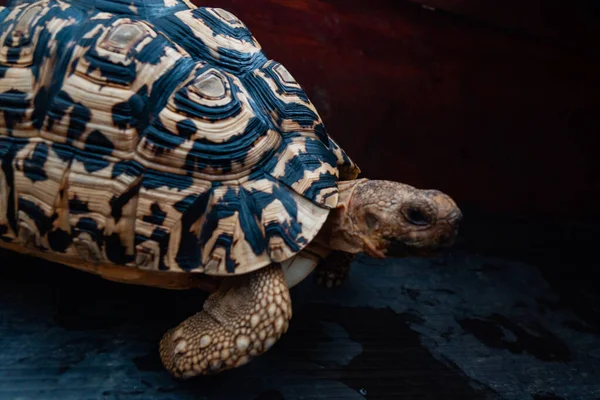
(455, 217)
(417, 217)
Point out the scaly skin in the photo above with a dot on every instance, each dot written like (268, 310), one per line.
(390, 219)
(240, 321)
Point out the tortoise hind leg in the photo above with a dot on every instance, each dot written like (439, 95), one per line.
(241, 320)
(334, 269)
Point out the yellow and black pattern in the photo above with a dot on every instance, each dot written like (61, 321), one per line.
(157, 135)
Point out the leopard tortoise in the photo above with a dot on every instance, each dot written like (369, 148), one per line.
(152, 142)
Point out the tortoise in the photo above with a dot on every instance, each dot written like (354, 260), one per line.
(152, 142)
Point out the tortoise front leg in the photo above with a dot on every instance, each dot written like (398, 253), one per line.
(334, 269)
(240, 321)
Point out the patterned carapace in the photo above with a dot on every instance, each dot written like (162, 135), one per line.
(156, 135)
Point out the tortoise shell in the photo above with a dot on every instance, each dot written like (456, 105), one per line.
(156, 135)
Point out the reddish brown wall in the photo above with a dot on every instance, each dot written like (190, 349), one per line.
(501, 114)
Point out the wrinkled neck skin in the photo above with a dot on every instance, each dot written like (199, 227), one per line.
(340, 231)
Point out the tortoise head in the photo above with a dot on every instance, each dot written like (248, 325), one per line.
(390, 219)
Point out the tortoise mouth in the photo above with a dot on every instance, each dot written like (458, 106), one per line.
(400, 249)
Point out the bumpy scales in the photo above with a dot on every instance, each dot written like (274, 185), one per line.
(240, 321)
(156, 135)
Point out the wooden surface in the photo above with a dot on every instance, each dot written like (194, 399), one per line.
(488, 321)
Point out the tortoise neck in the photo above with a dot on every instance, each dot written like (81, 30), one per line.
(339, 232)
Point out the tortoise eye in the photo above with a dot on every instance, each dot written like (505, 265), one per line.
(417, 217)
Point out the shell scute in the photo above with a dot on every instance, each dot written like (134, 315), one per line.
(211, 138)
(26, 33)
(36, 174)
(215, 36)
(103, 106)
